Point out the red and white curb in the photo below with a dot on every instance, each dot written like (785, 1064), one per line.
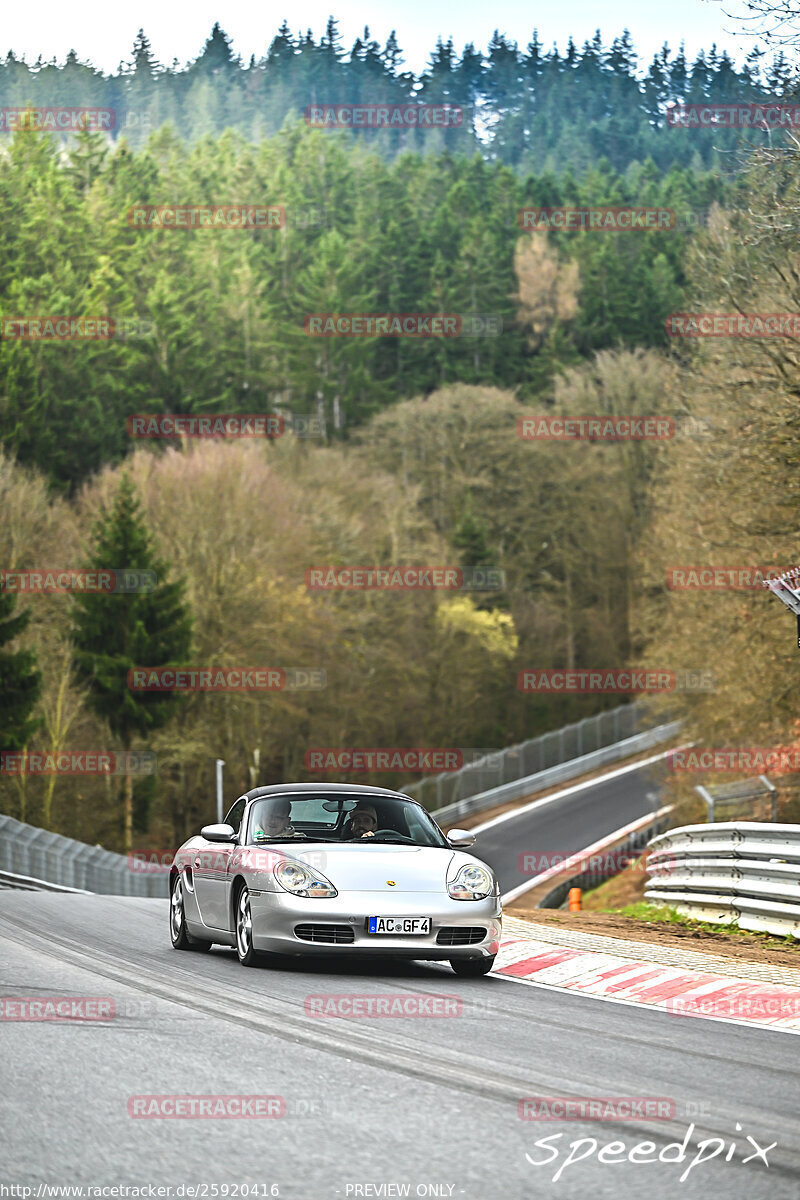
(672, 989)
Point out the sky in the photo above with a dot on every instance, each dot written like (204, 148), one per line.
(103, 33)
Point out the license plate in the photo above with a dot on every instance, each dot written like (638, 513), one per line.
(406, 925)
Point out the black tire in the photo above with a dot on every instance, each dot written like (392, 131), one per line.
(243, 926)
(472, 967)
(181, 940)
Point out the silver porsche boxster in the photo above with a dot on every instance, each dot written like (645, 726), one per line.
(310, 868)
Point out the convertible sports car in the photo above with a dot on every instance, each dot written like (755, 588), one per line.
(310, 868)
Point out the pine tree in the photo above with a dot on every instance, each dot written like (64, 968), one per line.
(20, 682)
(114, 632)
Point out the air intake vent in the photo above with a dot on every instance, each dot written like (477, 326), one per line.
(332, 934)
(460, 935)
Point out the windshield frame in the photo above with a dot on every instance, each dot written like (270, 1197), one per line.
(439, 841)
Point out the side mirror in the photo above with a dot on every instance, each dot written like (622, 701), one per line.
(218, 833)
(461, 839)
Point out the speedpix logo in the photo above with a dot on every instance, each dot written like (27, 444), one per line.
(617, 1153)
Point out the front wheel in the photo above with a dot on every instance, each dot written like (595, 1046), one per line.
(472, 967)
(244, 930)
(181, 940)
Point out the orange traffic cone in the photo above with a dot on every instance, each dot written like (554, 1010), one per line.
(575, 899)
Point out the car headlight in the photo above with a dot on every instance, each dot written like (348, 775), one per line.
(471, 883)
(300, 881)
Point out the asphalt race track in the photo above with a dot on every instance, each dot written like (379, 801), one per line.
(374, 1106)
(567, 825)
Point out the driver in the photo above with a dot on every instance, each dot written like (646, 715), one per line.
(363, 821)
(274, 821)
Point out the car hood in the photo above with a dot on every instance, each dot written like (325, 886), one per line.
(369, 868)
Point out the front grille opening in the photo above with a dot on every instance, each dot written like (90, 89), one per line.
(460, 935)
(331, 934)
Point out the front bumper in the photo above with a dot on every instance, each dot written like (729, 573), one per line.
(276, 914)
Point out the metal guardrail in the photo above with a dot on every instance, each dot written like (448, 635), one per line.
(571, 769)
(40, 855)
(747, 872)
(24, 883)
(538, 754)
(742, 792)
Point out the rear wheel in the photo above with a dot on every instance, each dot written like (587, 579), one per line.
(244, 930)
(471, 967)
(181, 940)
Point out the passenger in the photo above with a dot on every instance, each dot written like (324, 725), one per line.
(274, 822)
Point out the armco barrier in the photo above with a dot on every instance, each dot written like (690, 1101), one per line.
(571, 769)
(50, 858)
(747, 872)
(24, 883)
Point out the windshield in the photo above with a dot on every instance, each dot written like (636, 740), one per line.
(357, 820)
